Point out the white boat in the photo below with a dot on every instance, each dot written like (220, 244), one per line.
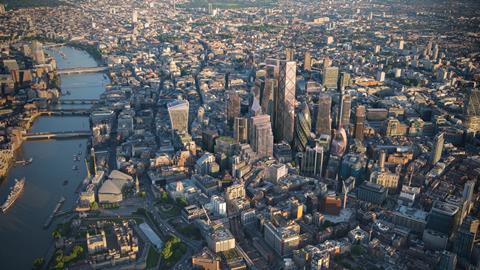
(15, 192)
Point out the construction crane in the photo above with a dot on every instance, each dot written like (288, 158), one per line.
(206, 214)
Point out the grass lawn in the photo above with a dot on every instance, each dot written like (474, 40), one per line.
(152, 258)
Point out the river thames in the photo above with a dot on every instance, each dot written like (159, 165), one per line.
(22, 236)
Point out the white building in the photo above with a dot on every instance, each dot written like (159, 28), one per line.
(381, 76)
(219, 205)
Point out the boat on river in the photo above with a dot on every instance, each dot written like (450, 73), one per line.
(15, 193)
(23, 162)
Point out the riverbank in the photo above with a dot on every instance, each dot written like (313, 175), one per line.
(8, 157)
(92, 50)
(53, 164)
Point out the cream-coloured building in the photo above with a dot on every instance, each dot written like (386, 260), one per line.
(220, 239)
(385, 178)
(96, 243)
(110, 192)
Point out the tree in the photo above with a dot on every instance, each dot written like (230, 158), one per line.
(78, 250)
(38, 263)
(59, 264)
(165, 197)
(182, 202)
(167, 251)
(56, 234)
(94, 206)
(174, 239)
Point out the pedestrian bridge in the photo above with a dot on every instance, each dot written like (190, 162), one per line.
(81, 70)
(57, 135)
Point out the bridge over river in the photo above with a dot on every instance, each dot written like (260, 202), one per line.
(81, 70)
(57, 135)
(77, 101)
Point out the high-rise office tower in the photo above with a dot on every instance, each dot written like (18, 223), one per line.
(307, 61)
(343, 81)
(233, 107)
(303, 126)
(37, 52)
(260, 135)
(359, 122)
(285, 111)
(472, 110)
(344, 112)
(289, 54)
(339, 142)
(330, 77)
(324, 115)
(443, 217)
(240, 129)
(348, 185)
(381, 76)
(257, 89)
(435, 52)
(468, 190)
(267, 98)
(438, 143)
(448, 261)
(178, 112)
(465, 237)
(135, 16)
(312, 161)
(273, 68)
(429, 47)
(382, 156)
(227, 80)
(255, 109)
(201, 114)
(210, 8)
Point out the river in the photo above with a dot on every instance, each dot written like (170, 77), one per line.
(22, 237)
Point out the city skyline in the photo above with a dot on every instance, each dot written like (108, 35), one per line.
(231, 134)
